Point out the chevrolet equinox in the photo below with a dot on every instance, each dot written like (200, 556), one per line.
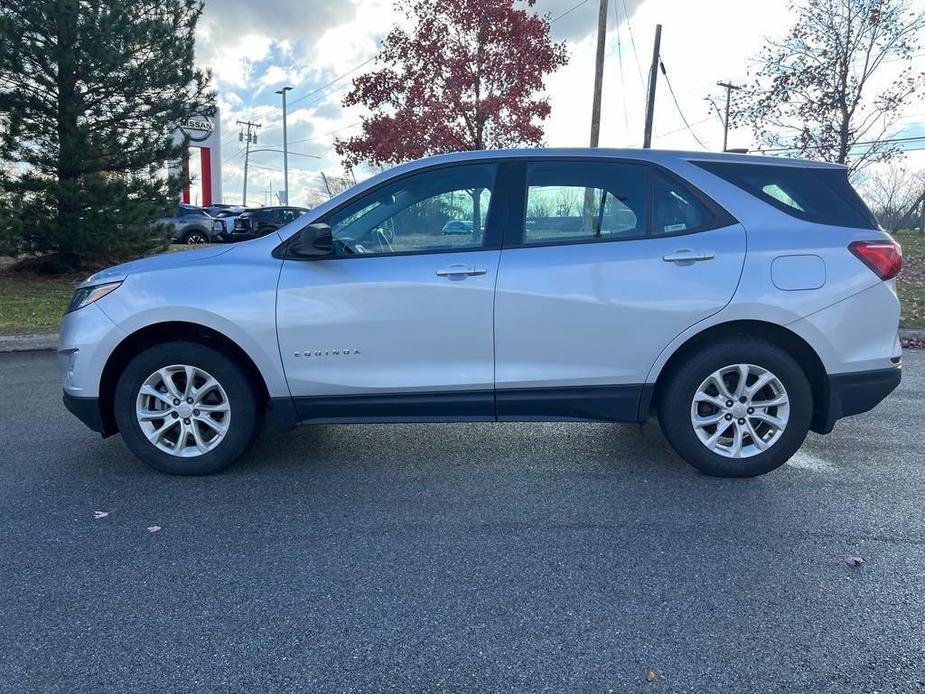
(743, 300)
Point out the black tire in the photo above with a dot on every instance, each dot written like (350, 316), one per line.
(246, 412)
(195, 237)
(676, 398)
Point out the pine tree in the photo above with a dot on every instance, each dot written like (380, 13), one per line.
(90, 92)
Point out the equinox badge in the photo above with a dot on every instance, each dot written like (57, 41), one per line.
(326, 353)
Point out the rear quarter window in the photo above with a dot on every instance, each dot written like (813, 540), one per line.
(811, 193)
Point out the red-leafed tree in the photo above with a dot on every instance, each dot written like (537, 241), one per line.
(459, 75)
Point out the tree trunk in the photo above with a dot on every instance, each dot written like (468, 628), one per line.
(68, 108)
(922, 216)
(476, 212)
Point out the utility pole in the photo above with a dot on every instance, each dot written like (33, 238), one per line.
(729, 87)
(653, 81)
(327, 186)
(285, 148)
(249, 137)
(598, 73)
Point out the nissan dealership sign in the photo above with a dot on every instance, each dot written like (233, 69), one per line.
(203, 133)
(198, 128)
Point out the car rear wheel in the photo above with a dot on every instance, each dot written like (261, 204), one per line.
(186, 408)
(737, 408)
(195, 238)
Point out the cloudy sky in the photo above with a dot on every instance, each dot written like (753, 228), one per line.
(318, 46)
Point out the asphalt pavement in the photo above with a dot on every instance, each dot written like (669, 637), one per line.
(459, 558)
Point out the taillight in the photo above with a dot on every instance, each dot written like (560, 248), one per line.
(885, 258)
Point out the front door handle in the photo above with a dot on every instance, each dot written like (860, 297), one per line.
(687, 256)
(459, 270)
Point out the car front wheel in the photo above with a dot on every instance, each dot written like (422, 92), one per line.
(185, 408)
(737, 408)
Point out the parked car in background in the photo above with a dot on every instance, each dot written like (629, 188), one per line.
(191, 225)
(223, 225)
(214, 209)
(260, 221)
(742, 300)
(457, 226)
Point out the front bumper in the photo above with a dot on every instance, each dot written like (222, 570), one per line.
(854, 393)
(88, 411)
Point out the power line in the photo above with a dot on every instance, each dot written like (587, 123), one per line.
(568, 11)
(682, 129)
(661, 65)
(330, 132)
(629, 25)
(616, 23)
(333, 81)
(321, 97)
(266, 168)
(884, 141)
(318, 137)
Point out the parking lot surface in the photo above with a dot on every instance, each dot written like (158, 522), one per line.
(459, 558)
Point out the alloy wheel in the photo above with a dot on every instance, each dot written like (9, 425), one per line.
(183, 410)
(740, 410)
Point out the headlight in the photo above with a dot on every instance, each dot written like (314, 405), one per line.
(87, 295)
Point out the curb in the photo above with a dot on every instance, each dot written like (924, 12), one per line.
(28, 343)
(49, 341)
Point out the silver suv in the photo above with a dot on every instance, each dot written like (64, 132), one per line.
(743, 300)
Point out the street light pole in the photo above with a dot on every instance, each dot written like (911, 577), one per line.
(285, 148)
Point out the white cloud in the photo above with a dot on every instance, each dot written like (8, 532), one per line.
(306, 44)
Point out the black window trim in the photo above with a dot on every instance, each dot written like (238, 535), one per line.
(491, 239)
(514, 232)
(760, 195)
(509, 199)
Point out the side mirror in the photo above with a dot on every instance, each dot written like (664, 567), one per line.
(313, 241)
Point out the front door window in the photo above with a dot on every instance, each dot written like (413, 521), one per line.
(434, 211)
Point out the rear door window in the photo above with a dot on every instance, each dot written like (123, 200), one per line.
(585, 201)
(811, 193)
(675, 208)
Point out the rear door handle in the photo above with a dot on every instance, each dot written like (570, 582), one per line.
(460, 270)
(687, 256)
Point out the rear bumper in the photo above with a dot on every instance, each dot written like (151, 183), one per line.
(854, 393)
(88, 411)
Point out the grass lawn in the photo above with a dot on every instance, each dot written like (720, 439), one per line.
(31, 303)
(34, 304)
(911, 281)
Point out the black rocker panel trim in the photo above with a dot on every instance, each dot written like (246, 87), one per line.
(468, 406)
(581, 403)
(586, 403)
